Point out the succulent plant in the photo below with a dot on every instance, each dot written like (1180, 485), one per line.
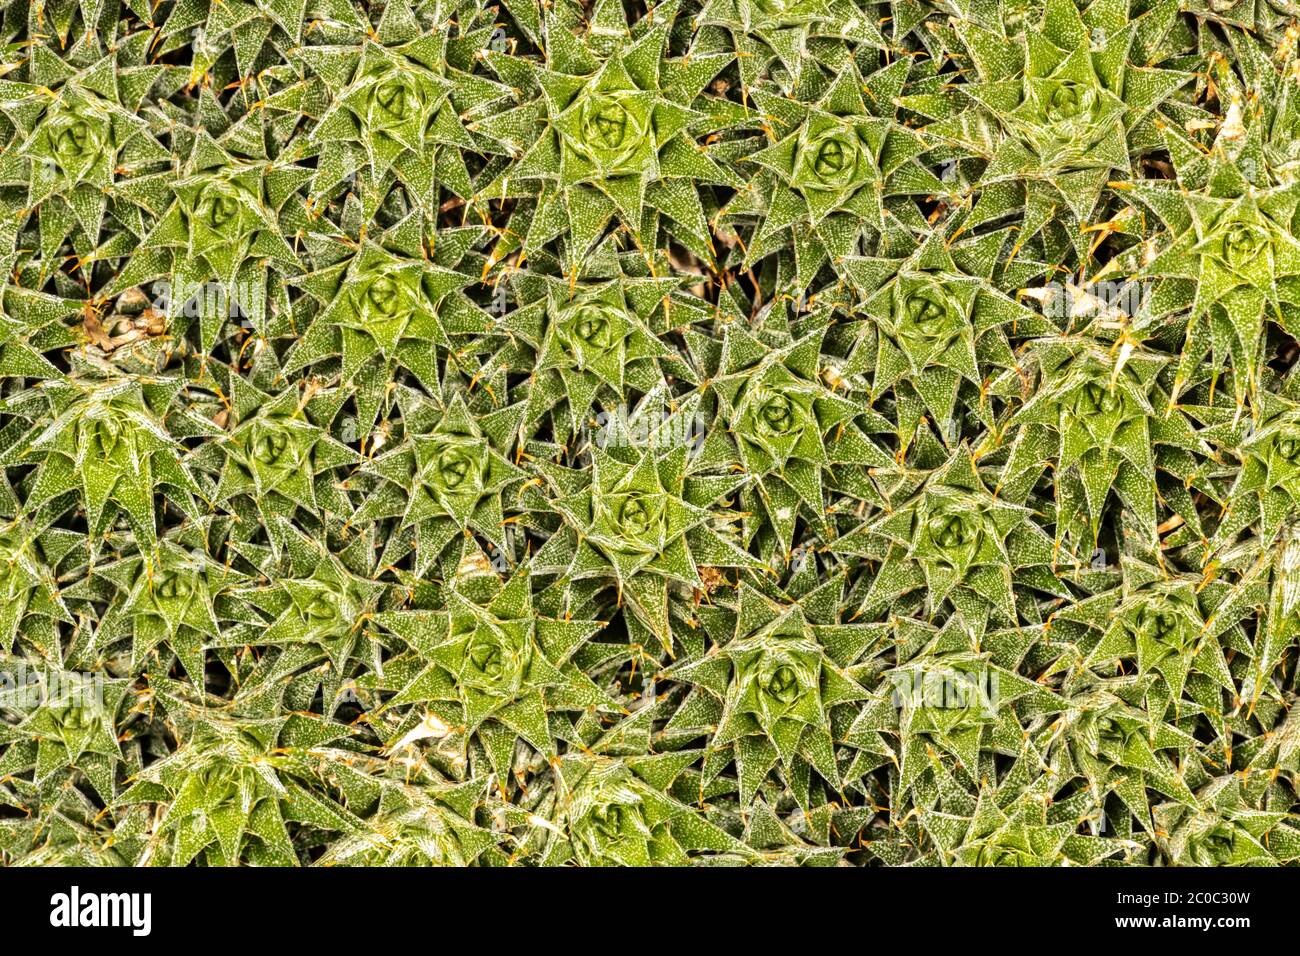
(505, 666)
(609, 136)
(442, 483)
(211, 246)
(823, 180)
(733, 433)
(616, 819)
(640, 526)
(105, 443)
(956, 540)
(398, 100)
(275, 455)
(77, 141)
(1074, 100)
(789, 429)
(224, 791)
(776, 687)
(30, 589)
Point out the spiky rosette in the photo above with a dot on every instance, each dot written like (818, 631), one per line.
(959, 542)
(1073, 104)
(107, 444)
(383, 308)
(76, 143)
(590, 343)
(399, 101)
(276, 455)
(774, 688)
(824, 179)
(227, 792)
(763, 30)
(641, 525)
(1107, 418)
(440, 484)
(496, 668)
(1231, 265)
(611, 138)
(614, 818)
(789, 429)
(213, 244)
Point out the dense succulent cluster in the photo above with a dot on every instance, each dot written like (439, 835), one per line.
(588, 432)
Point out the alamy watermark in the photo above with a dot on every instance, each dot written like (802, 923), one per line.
(231, 300)
(74, 909)
(946, 690)
(664, 431)
(796, 561)
(501, 300)
(26, 688)
(1105, 298)
(497, 558)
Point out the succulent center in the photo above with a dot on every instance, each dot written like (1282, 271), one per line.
(1159, 626)
(1242, 244)
(609, 133)
(926, 312)
(271, 447)
(1095, 399)
(952, 531)
(171, 592)
(927, 321)
(1068, 101)
(220, 209)
(999, 854)
(595, 330)
(397, 99)
(782, 684)
(636, 516)
(610, 821)
(74, 141)
(591, 330)
(72, 719)
(777, 415)
(174, 587)
(321, 608)
(106, 437)
(831, 161)
(454, 466)
(1114, 732)
(1288, 449)
(219, 788)
(384, 296)
(454, 474)
(831, 158)
(605, 122)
